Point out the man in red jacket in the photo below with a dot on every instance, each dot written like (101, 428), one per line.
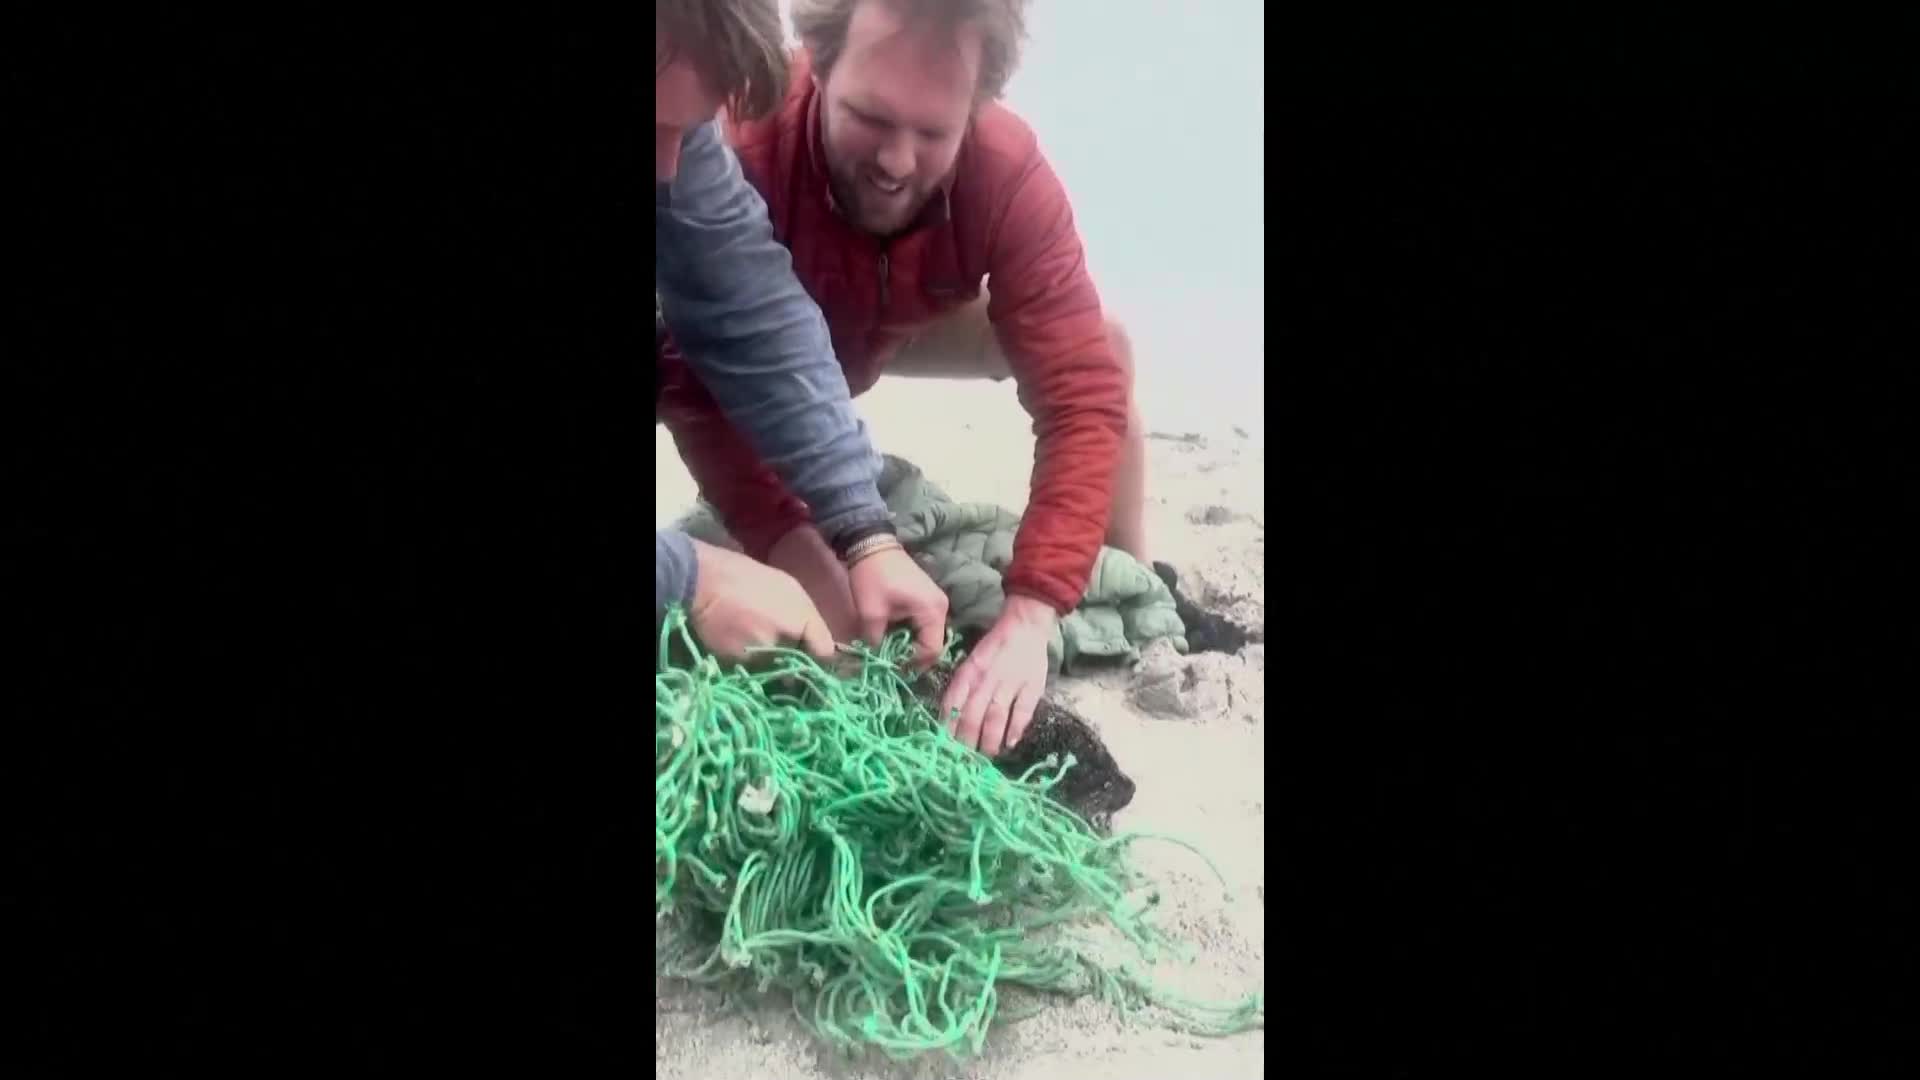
(937, 242)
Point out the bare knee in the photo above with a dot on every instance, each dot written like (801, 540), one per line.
(1122, 349)
(1123, 354)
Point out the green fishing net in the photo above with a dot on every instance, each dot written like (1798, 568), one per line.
(818, 833)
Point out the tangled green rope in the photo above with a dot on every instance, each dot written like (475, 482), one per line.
(824, 835)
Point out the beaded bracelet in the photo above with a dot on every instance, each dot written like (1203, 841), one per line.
(871, 545)
(844, 542)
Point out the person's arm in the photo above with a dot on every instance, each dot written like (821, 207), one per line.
(675, 572)
(756, 508)
(756, 339)
(734, 604)
(1047, 317)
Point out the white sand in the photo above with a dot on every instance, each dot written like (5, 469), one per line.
(1200, 778)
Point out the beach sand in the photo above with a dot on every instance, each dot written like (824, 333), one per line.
(1190, 731)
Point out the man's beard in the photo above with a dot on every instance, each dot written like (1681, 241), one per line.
(867, 210)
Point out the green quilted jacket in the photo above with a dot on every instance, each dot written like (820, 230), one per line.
(965, 547)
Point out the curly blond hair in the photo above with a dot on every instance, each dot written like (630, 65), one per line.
(822, 26)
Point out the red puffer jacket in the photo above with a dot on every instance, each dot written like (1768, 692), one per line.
(1004, 216)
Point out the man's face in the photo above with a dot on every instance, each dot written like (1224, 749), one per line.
(681, 101)
(893, 110)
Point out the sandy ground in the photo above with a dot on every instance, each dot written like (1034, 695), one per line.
(1200, 777)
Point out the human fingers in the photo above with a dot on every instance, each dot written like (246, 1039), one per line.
(817, 640)
(873, 628)
(975, 709)
(930, 637)
(959, 687)
(1021, 715)
(993, 720)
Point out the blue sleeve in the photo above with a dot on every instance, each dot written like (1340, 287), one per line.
(755, 338)
(675, 572)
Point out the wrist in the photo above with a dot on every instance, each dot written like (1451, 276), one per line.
(760, 533)
(873, 545)
(798, 536)
(845, 542)
(1029, 611)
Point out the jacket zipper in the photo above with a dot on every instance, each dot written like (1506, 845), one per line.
(883, 282)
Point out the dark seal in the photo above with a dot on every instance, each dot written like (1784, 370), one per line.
(1094, 788)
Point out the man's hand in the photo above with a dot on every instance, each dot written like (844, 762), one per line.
(889, 587)
(998, 685)
(881, 589)
(805, 554)
(739, 604)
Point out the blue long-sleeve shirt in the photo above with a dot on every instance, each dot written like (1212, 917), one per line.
(759, 345)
